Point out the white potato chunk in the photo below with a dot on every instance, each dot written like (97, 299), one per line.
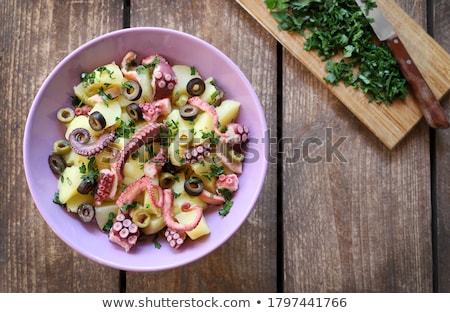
(103, 211)
(202, 228)
(227, 111)
(68, 183)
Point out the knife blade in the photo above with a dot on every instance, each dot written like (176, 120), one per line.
(428, 103)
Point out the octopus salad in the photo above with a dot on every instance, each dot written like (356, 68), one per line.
(147, 148)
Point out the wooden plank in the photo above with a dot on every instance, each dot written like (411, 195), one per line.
(389, 123)
(36, 35)
(247, 262)
(441, 24)
(357, 216)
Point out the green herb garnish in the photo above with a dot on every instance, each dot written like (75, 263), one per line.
(126, 130)
(156, 242)
(105, 96)
(211, 136)
(109, 223)
(216, 171)
(56, 199)
(129, 206)
(91, 172)
(339, 27)
(226, 193)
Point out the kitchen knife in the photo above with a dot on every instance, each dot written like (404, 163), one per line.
(430, 106)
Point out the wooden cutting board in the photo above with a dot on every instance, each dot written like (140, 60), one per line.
(389, 123)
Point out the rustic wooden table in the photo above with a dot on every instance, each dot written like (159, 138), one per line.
(353, 216)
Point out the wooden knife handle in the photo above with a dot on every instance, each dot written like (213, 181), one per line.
(430, 106)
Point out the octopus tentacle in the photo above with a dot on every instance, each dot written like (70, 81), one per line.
(133, 190)
(164, 78)
(227, 181)
(153, 166)
(83, 110)
(174, 238)
(146, 134)
(224, 181)
(140, 185)
(151, 170)
(205, 106)
(107, 186)
(168, 217)
(124, 232)
(157, 203)
(153, 110)
(79, 137)
(211, 198)
(128, 59)
(237, 134)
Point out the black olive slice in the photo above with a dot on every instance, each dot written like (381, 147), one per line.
(195, 87)
(188, 112)
(86, 186)
(56, 163)
(131, 90)
(193, 186)
(97, 121)
(86, 212)
(134, 111)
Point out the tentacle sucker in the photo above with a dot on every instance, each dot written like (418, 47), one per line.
(79, 137)
(148, 133)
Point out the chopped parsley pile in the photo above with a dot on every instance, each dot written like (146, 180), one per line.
(336, 28)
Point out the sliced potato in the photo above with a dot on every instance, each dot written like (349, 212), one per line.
(204, 124)
(211, 92)
(200, 168)
(81, 121)
(68, 183)
(184, 74)
(202, 228)
(111, 113)
(77, 199)
(103, 77)
(227, 111)
(102, 213)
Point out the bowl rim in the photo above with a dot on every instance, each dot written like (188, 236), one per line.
(27, 136)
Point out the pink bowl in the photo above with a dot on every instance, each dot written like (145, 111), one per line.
(42, 129)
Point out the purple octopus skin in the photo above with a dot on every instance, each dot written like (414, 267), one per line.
(148, 133)
(79, 137)
(164, 80)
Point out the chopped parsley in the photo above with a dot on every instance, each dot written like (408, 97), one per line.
(215, 171)
(127, 85)
(102, 69)
(211, 136)
(76, 102)
(126, 130)
(129, 206)
(87, 78)
(226, 193)
(109, 223)
(339, 27)
(91, 172)
(105, 96)
(156, 242)
(56, 199)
